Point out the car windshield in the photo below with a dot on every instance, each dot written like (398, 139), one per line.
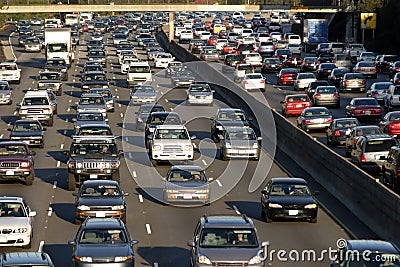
(95, 77)
(102, 236)
(90, 117)
(12, 209)
(199, 88)
(7, 150)
(4, 87)
(346, 124)
(57, 48)
(306, 76)
(49, 76)
(144, 90)
(93, 149)
(91, 100)
(380, 145)
(290, 190)
(394, 117)
(355, 76)
(382, 86)
(100, 190)
(148, 110)
(94, 130)
(171, 134)
(244, 134)
(380, 260)
(272, 61)
(33, 101)
(139, 69)
(365, 102)
(220, 237)
(338, 72)
(27, 127)
(231, 116)
(186, 176)
(316, 112)
(55, 63)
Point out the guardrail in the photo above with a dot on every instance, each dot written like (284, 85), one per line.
(373, 203)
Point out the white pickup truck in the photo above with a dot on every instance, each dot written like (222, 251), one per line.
(171, 143)
(10, 72)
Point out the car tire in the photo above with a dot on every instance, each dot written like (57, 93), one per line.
(154, 162)
(284, 113)
(267, 219)
(314, 220)
(346, 151)
(77, 221)
(29, 179)
(51, 121)
(71, 182)
(29, 245)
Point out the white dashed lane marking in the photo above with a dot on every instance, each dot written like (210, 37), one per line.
(219, 183)
(148, 229)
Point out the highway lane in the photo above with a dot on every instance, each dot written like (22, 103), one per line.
(164, 239)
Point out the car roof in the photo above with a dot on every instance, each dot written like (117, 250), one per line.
(37, 93)
(25, 258)
(288, 180)
(378, 136)
(230, 109)
(231, 221)
(95, 125)
(186, 167)
(94, 182)
(373, 246)
(18, 199)
(90, 94)
(175, 126)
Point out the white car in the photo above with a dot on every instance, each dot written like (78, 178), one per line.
(303, 79)
(10, 72)
(241, 70)
(205, 36)
(276, 35)
(249, 40)
(15, 222)
(221, 43)
(162, 60)
(294, 48)
(126, 62)
(253, 81)
(200, 94)
(254, 59)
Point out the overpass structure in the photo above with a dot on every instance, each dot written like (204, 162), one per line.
(157, 8)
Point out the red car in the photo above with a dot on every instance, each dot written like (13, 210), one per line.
(229, 49)
(287, 76)
(364, 108)
(85, 27)
(294, 104)
(212, 40)
(391, 123)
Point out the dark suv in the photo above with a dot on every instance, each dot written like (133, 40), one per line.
(103, 241)
(391, 168)
(17, 259)
(92, 157)
(226, 240)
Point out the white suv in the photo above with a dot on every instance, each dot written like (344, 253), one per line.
(10, 72)
(37, 105)
(171, 143)
(15, 222)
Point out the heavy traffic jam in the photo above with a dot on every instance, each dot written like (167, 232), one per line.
(66, 77)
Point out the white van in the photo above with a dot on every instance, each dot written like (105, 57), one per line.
(138, 72)
(294, 39)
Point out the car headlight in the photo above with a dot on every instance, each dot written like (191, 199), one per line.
(71, 165)
(310, 206)
(220, 127)
(205, 191)
(172, 191)
(63, 70)
(255, 145)
(83, 207)
(20, 230)
(85, 86)
(84, 259)
(274, 206)
(156, 147)
(187, 147)
(91, 59)
(203, 260)
(79, 165)
(192, 97)
(118, 207)
(135, 97)
(122, 258)
(228, 145)
(115, 164)
(255, 260)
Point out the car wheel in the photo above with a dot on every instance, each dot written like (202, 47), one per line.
(29, 179)
(51, 121)
(29, 245)
(347, 151)
(77, 221)
(262, 212)
(328, 141)
(267, 219)
(71, 182)
(284, 113)
(314, 220)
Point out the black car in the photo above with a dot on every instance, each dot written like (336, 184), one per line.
(271, 65)
(288, 198)
(336, 76)
(59, 65)
(103, 241)
(309, 64)
(28, 131)
(227, 117)
(98, 55)
(282, 54)
(231, 60)
(160, 118)
(395, 68)
(324, 70)
(182, 78)
(385, 62)
(17, 259)
(99, 199)
(93, 79)
(326, 58)
(339, 129)
(143, 113)
(310, 90)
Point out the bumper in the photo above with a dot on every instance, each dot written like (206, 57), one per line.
(40, 118)
(30, 141)
(182, 83)
(355, 88)
(200, 101)
(184, 198)
(5, 100)
(241, 153)
(14, 174)
(15, 240)
(291, 214)
(166, 156)
(293, 111)
(327, 102)
(372, 166)
(104, 264)
(316, 126)
(140, 101)
(368, 117)
(83, 175)
(82, 215)
(339, 140)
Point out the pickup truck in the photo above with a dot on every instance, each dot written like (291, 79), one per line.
(10, 72)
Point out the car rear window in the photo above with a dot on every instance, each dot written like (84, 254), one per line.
(379, 145)
(342, 57)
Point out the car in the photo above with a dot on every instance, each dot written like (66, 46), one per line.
(271, 65)
(92, 102)
(186, 185)
(241, 70)
(94, 129)
(143, 94)
(172, 67)
(309, 64)
(32, 44)
(337, 48)
(324, 70)
(254, 59)
(107, 96)
(50, 80)
(182, 78)
(98, 55)
(321, 49)
(287, 76)
(196, 45)
(99, 199)
(91, 44)
(353, 82)
(92, 157)
(371, 151)
(288, 198)
(224, 118)
(366, 68)
(380, 253)
(338, 130)
(240, 142)
(294, 48)
(364, 108)
(93, 79)
(15, 259)
(390, 123)
(282, 54)
(326, 58)
(391, 99)
(37, 105)
(292, 61)
(326, 96)
(87, 118)
(143, 113)
(6, 95)
(59, 65)
(92, 66)
(343, 61)
(314, 118)
(160, 118)
(253, 81)
(294, 104)
(10, 72)
(356, 132)
(310, 90)
(209, 54)
(216, 236)
(104, 241)
(266, 48)
(200, 94)
(162, 60)
(17, 216)
(30, 132)
(394, 69)
(396, 79)
(336, 76)
(366, 56)
(303, 79)
(385, 62)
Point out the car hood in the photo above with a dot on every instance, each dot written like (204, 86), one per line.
(98, 157)
(229, 254)
(102, 250)
(79, 123)
(100, 201)
(200, 93)
(14, 222)
(26, 134)
(186, 184)
(291, 200)
(91, 107)
(172, 141)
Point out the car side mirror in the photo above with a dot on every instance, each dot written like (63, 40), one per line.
(75, 194)
(121, 153)
(193, 137)
(44, 129)
(72, 242)
(259, 138)
(32, 153)
(264, 192)
(32, 213)
(74, 120)
(191, 243)
(134, 242)
(106, 120)
(315, 193)
(283, 102)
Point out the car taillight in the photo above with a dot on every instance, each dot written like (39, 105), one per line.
(376, 94)
(373, 69)
(307, 121)
(361, 69)
(298, 81)
(398, 173)
(262, 81)
(273, 47)
(317, 95)
(329, 120)
(321, 70)
(347, 82)
(246, 82)
(306, 64)
(357, 111)
(378, 110)
(364, 82)
(392, 126)
(355, 140)
(363, 159)
(397, 69)
(337, 133)
(246, 58)
(335, 95)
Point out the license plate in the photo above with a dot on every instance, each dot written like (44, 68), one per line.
(318, 120)
(3, 239)
(367, 112)
(9, 172)
(93, 176)
(187, 196)
(299, 105)
(101, 214)
(293, 212)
